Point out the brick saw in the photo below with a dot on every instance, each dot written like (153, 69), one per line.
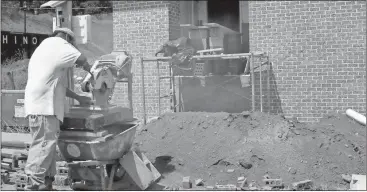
(104, 73)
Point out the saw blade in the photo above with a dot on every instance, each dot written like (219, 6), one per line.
(101, 96)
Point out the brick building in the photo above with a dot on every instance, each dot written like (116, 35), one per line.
(317, 49)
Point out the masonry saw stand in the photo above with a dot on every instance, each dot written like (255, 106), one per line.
(96, 141)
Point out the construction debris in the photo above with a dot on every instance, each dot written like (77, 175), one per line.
(199, 182)
(241, 183)
(228, 187)
(347, 178)
(302, 185)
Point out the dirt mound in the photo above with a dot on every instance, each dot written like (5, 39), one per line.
(207, 145)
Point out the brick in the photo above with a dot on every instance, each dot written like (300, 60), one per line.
(186, 183)
(22, 178)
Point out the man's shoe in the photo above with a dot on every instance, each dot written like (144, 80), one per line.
(47, 186)
(48, 182)
(41, 187)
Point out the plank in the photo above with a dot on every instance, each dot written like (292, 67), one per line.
(18, 140)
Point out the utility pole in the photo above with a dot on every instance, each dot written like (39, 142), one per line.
(25, 27)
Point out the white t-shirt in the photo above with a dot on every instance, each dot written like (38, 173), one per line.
(45, 92)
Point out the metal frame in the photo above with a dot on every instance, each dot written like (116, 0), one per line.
(250, 56)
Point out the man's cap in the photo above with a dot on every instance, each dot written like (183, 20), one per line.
(65, 30)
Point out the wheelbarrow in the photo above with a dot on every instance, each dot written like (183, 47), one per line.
(95, 161)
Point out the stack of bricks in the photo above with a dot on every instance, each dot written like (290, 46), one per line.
(140, 28)
(61, 177)
(317, 54)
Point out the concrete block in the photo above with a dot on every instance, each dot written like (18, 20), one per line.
(61, 180)
(273, 182)
(20, 186)
(62, 170)
(22, 178)
(186, 183)
(199, 182)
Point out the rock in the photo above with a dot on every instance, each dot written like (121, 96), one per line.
(245, 113)
(246, 165)
(293, 171)
(230, 170)
(199, 182)
(347, 178)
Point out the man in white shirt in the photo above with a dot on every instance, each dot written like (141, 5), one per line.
(44, 102)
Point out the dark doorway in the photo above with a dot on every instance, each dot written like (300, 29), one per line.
(226, 13)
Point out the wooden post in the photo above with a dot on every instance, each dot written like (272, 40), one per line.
(253, 81)
(159, 89)
(261, 88)
(268, 83)
(143, 90)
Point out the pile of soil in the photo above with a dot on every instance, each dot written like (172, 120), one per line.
(208, 145)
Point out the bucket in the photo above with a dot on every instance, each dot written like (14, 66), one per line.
(245, 80)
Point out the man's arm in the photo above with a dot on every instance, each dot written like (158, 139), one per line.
(71, 94)
(83, 100)
(83, 62)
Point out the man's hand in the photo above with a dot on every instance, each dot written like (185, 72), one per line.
(84, 100)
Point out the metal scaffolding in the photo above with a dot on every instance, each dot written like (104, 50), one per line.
(249, 56)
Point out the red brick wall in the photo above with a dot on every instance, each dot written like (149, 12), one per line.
(318, 55)
(140, 27)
